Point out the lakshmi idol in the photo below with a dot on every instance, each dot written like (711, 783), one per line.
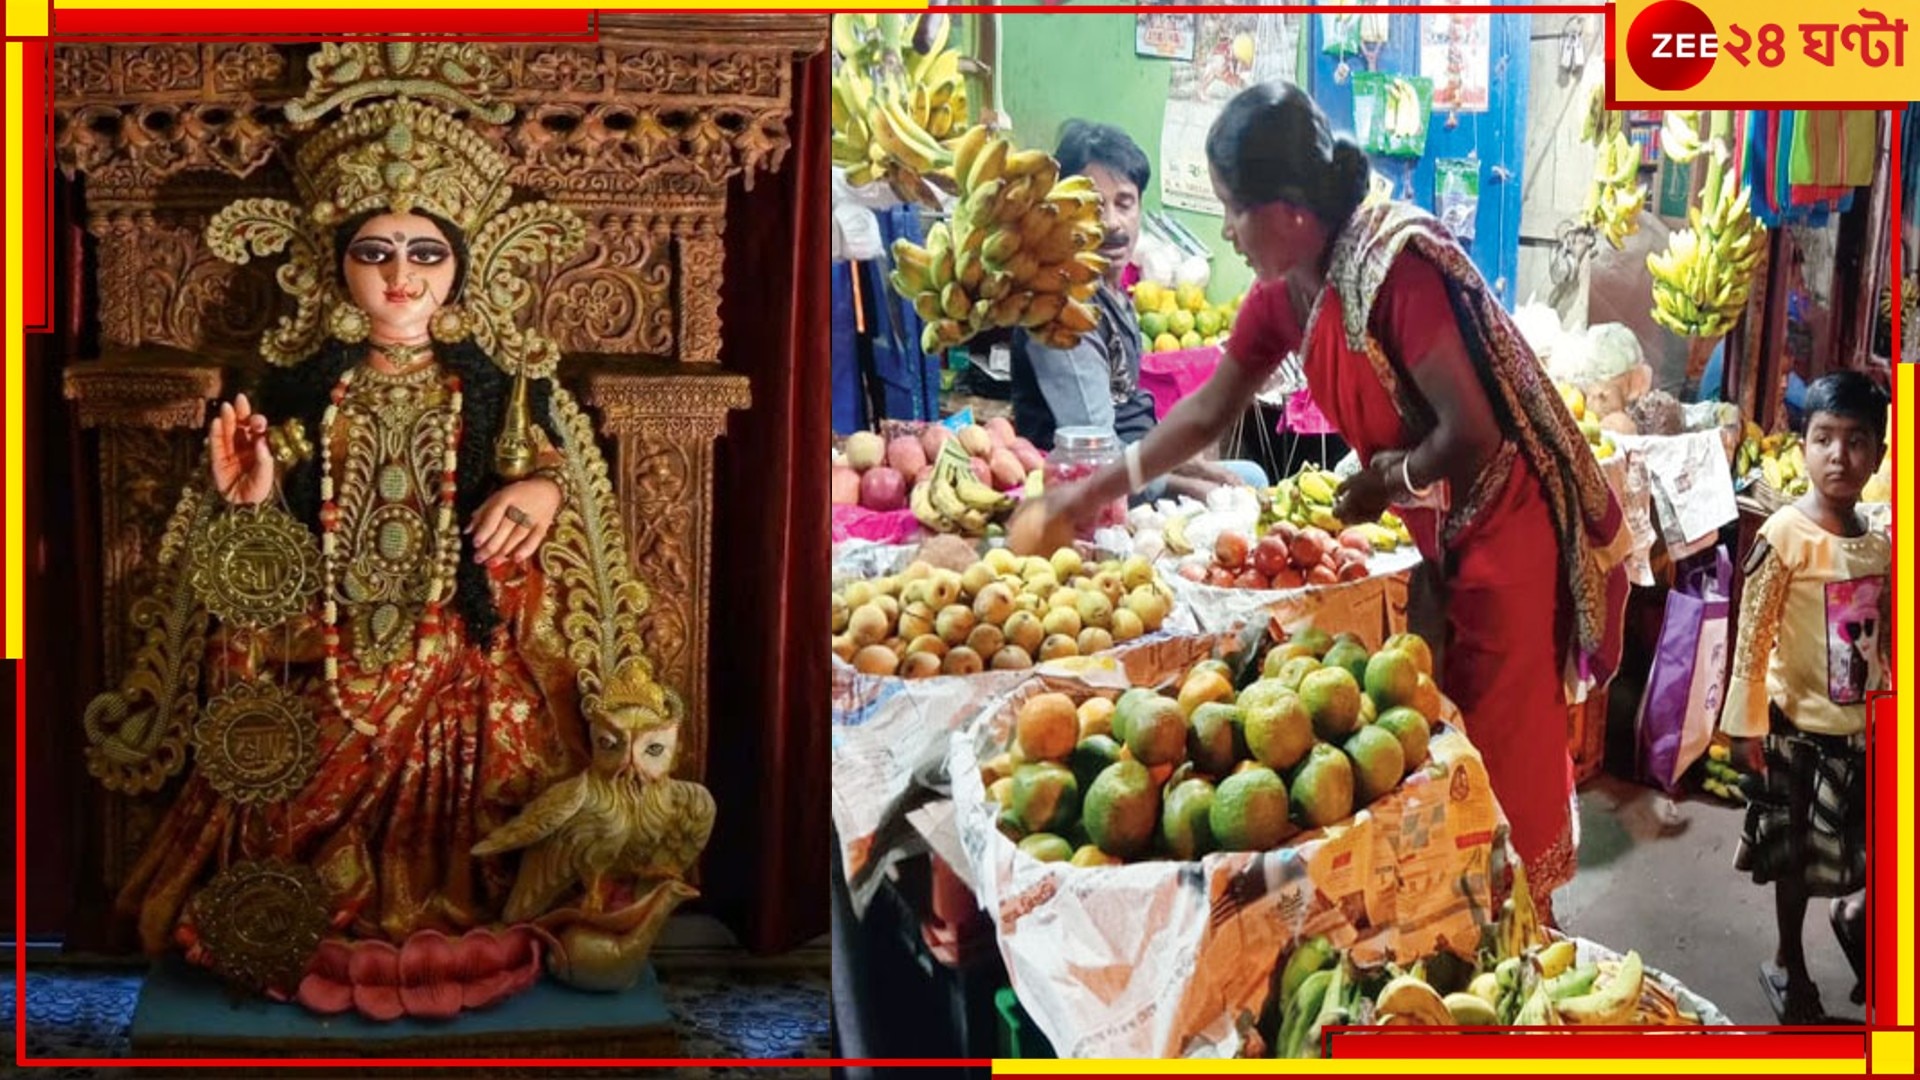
(399, 642)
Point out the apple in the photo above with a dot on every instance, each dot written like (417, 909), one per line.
(1270, 555)
(1230, 550)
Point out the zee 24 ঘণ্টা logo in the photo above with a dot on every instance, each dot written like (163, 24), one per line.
(1673, 45)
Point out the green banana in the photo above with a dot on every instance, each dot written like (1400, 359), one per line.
(1573, 982)
(1311, 955)
(1300, 1010)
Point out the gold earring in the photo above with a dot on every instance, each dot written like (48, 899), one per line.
(348, 323)
(449, 325)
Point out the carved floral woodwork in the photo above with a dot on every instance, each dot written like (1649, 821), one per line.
(664, 427)
(660, 115)
(147, 416)
(642, 132)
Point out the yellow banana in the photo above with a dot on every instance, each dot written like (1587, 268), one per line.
(1176, 536)
(977, 495)
(1009, 310)
(1042, 308)
(945, 500)
(1410, 997)
(913, 263)
(954, 301)
(1000, 245)
(1468, 1010)
(1077, 317)
(921, 502)
(1316, 488)
(940, 122)
(989, 164)
(888, 138)
(1556, 958)
(1613, 1002)
(967, 148)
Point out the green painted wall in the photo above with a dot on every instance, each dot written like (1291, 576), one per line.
(1055, 69)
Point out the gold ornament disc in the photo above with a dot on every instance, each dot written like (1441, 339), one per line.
(255, 566)
(255, 743)
(261, 923)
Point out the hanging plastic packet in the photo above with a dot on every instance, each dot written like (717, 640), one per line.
(1373, 28)
(1392, 113)
(1340, 39)
(1456, 195)
(1340, 34)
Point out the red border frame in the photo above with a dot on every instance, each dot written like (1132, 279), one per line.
(496, 25)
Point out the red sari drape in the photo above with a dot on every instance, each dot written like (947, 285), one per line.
(766, 868)
(1530, 554)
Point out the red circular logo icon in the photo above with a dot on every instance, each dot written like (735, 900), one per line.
(1672, 45)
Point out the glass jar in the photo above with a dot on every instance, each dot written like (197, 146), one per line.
(1078, 452)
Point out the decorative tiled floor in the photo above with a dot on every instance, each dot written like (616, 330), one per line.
(723, 1013)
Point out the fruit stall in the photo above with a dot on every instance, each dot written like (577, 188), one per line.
(1191, 786)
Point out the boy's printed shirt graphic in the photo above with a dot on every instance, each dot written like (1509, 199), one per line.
(1854, 626)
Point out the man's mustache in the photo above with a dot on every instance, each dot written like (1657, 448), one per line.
(1116, 239)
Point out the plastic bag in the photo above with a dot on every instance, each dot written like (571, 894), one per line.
(1682, 703)
(1340, 34)
(1391, 113)
(1456, 195)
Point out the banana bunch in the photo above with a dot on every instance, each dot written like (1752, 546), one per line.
(1176, 534)
(1326, 997)
(1403, 115)
(1701, 282)
(1722, 778)
(1542, 986)
(1407, 999)
(1616, 197)
(1909, 301)
(1306, 499)
(1517, 932)
(1780, 457)
(1019, 250)
(898, 96)
(952, 499)
(1680, 135)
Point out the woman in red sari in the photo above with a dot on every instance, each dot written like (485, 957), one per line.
(1413, 359)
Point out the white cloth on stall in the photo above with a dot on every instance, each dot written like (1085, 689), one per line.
(856, 226)
(1692, 487)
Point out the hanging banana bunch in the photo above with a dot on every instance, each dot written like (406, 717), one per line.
(899, 96)
(1021, 249)
(1616, 197)
(1909, 301)
(1702, 280)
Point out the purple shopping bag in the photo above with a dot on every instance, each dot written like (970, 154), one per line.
(1686, 684)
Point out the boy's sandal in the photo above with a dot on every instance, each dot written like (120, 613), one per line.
(1791, 1005)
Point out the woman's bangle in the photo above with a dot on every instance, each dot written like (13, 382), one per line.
(1406, 479)
(555, 475)
(1135, 474)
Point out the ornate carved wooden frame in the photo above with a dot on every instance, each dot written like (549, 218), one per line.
(640, 132)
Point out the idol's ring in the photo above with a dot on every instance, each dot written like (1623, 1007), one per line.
(519, 517)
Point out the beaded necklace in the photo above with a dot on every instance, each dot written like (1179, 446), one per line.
(445, 564)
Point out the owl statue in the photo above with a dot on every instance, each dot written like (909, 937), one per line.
(623, 819)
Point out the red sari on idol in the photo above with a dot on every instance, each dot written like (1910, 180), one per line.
(1532, 554)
